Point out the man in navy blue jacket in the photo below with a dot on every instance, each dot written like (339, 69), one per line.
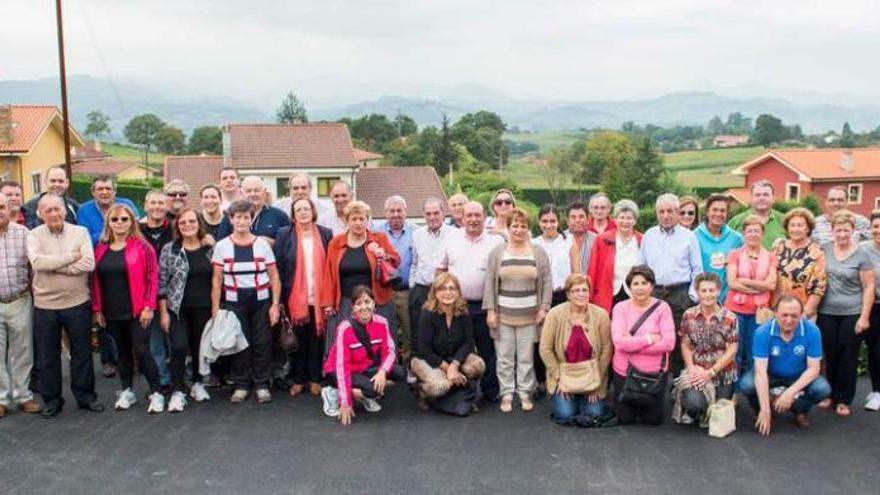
(268, 219)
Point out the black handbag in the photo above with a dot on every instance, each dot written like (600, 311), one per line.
(287, 339)
(641, 387)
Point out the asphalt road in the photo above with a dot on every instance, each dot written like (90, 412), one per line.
(288, 446)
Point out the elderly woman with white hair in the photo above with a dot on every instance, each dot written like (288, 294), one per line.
(615, 252)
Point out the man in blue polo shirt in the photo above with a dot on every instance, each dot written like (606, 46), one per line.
(267, 220)
(785, 376)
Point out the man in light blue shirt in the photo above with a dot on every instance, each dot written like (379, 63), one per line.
(673, 252)
(400, 233)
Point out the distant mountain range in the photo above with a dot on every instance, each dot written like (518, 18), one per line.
(124, 100)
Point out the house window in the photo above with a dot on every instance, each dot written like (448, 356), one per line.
(877, 203)
(854, 194)
(282, 187)
(36, 181)
(324, 185)
(792, 191)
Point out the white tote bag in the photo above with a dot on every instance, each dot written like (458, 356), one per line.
(722, 418)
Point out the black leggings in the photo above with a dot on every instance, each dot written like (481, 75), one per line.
(872, 339)
(840, 348)
(627, 413)
(132, 341)
(362, 380)
(695, 404)
(307, 360)
(186, 335)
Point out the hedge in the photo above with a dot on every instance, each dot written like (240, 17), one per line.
(81, 189)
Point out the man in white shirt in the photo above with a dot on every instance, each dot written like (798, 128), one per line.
(340, 195)
(427, 252)
(465, 254)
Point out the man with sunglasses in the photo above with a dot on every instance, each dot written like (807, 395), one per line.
(176, 193)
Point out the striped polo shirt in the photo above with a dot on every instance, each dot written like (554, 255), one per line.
(518, 289)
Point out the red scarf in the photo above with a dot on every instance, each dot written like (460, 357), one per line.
(298, 302)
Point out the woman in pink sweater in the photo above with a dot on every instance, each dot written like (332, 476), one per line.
(360, 361)
(645, 348)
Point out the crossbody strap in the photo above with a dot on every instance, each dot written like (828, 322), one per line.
(638, 324)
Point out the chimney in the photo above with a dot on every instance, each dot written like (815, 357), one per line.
(848, 161)
(6, 125)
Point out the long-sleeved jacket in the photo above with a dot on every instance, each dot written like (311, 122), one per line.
(286, 248)
(544, 288)
(555, 336)
(601, 269)
(71, 208)
(348, 357)
(437, 343)
(143, 276)
(173, 270)
(331, 292)
(635, 349)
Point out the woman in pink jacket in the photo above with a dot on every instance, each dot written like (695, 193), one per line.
(360, 361)
(125, 285)
(641, 343)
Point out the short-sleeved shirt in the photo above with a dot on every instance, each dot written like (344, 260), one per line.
(709, 338)
(873, 251)
(787, 360)
(245, 270)
(466, 259)
(844, 293)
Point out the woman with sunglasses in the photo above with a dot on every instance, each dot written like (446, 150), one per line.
(501, 205)
(185, 301)
(124, 288)
(211, 214)
(688, 212)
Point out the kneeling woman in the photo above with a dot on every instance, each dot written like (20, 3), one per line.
(445, 358)
(576, 348)
(360, 361)
(643, 334)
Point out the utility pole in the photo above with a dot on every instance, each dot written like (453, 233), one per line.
(64, 113)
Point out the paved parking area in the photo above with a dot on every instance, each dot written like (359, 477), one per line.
(288, 446)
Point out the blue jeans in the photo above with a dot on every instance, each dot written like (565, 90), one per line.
(747, 326)
(575, 405)
(815, 392)
(159, 350)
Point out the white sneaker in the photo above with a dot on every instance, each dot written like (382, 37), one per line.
(872, 402)
(198, 393)
(264, 396)
(177, 402)
(238, 396)
(157, 403)
(371, 405)
(331, 401)
(125, 399)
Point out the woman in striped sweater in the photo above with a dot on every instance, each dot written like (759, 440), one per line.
(517, 296)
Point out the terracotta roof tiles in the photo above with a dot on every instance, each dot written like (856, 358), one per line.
(415, 184)
(195, 170)
(290, 146)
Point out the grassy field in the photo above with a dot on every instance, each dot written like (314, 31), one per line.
(130, 153)
(692, 168)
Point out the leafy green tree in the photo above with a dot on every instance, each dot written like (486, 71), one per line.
(768, 130)
(444, 155)
(98, 124)
(847, 138)
(739, 124)
(292, 110)
(405, 125)
(481, 133)
(142, 130)
(372, 131)
(556, 169)
(715, 126)
(171, 140)
(645, 173)
(206, 139)
(603, 149)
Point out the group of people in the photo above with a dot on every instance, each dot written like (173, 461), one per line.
(467, 309)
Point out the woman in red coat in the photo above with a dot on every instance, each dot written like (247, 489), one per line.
(614, 253)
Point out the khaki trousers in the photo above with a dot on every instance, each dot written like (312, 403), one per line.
(16, 350)
(514, 352)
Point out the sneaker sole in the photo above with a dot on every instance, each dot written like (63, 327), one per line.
(325, 400)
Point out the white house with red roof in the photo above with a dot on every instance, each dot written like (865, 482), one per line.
(796, 173)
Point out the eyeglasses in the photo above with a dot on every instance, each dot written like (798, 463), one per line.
(499, 202)
(177, 195)
(579, 290)
(448, 288)
(187, 222)
(119, 219)
(688, 213)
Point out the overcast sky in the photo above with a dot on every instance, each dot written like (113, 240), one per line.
(333, 51)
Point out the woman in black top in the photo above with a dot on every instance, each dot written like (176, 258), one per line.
(185, 272)
(211, 215)
(445, 357)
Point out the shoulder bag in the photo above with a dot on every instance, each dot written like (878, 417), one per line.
(722, 418)
(641, 387)
(287, 338)
(581, 377)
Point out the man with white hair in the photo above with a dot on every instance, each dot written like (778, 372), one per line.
(835, 200)
(267, 219)
(16, 316)
(465, 255)
(600, 214)
(400, 233)
(427, 250)
(176, 193)
(673, 252)
(62, 257)
(57, 183)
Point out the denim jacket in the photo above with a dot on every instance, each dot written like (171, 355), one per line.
(173, 270)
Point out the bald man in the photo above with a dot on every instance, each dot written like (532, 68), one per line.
(267, 219)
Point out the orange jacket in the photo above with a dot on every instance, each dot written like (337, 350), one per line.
(331, 293)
